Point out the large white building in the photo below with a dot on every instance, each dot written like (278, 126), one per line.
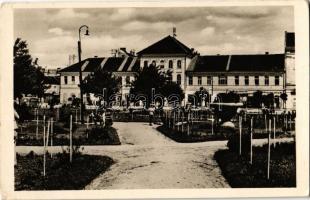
(244, 74)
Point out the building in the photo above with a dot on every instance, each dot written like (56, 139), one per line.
(125, 66)
(243, 74)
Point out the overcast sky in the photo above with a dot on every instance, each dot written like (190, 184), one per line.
(52, 34)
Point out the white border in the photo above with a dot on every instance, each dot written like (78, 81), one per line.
(302, 130)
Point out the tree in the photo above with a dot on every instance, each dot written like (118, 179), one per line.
(268, 100)
(257, 99)
(28, 76)
(283, 96)
(101, 80)
(151, 79)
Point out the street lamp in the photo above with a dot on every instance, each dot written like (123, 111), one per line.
(80, 72)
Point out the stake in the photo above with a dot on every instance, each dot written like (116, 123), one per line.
(87, 126)
(212, 124)
(182, 118)
(251, 143)
(75, 116)
(240, 134)
(274, 132)
(52, 133)
(266, 125)
(37, 128)
(70, 137)
(44, 158)
(268, 160)
(47, 133)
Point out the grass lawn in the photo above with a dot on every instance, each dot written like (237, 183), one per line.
(241, 174)
(60, 173)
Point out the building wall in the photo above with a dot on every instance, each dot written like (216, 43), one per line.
(175, 70)
(241, 88)
(290, 68)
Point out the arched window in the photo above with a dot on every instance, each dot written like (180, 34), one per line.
(127, 81)
(179, 78)
(170, 64)
(162, 64)
(179, 64)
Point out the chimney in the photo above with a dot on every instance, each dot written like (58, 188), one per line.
(174, 30)
(266, 52)
(95, 56)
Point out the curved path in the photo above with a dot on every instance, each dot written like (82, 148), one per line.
(149, 160)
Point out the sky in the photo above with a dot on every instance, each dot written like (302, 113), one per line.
(52, 34)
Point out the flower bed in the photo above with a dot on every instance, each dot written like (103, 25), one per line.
(60, 173)
(241, 174)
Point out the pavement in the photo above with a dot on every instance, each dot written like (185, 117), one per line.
(149, 160)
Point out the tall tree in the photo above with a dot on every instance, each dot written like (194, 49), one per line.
(28, 76)
(150, 79)
(102, 81)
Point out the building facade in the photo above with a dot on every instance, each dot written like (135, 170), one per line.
(243, 74)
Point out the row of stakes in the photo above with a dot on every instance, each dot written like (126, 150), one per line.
(269, 131)
(48, 131)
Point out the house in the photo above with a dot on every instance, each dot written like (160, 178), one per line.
(243, 74)
(125, 66)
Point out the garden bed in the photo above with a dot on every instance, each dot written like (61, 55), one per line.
(95, 136)
(241, 174)
(198, 135)
(60, 173)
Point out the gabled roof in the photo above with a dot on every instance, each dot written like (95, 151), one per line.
(167, 45)
(112, 64)
(240, 63)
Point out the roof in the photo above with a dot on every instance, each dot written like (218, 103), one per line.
(239, 63)
(112, 64)
(167, 45)
(289, 41)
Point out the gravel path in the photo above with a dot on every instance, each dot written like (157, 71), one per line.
(148, 160)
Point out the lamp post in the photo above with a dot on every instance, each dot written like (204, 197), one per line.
(80, 72)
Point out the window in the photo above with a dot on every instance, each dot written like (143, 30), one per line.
(256, 80)
(199, 80)
(66, 79)
(236, 80)
(190, 80)
(266, 80)
(162, 64)
(73, 79)
(179, 64)
(222, 80)
(154, 63)
(170, 64)
(246, 80)
(209, 80)
(276, 80)
(127, 80)
(179, 78)
(145, 63)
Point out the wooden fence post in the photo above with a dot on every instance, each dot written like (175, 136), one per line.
(70, 137)
(182, 118)
(52, 133)
(268, 159)
(44, 158)
(212, 124)
(274, 132)
(240, 134)
(37, 124)
(251, 142)
(266, 125)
